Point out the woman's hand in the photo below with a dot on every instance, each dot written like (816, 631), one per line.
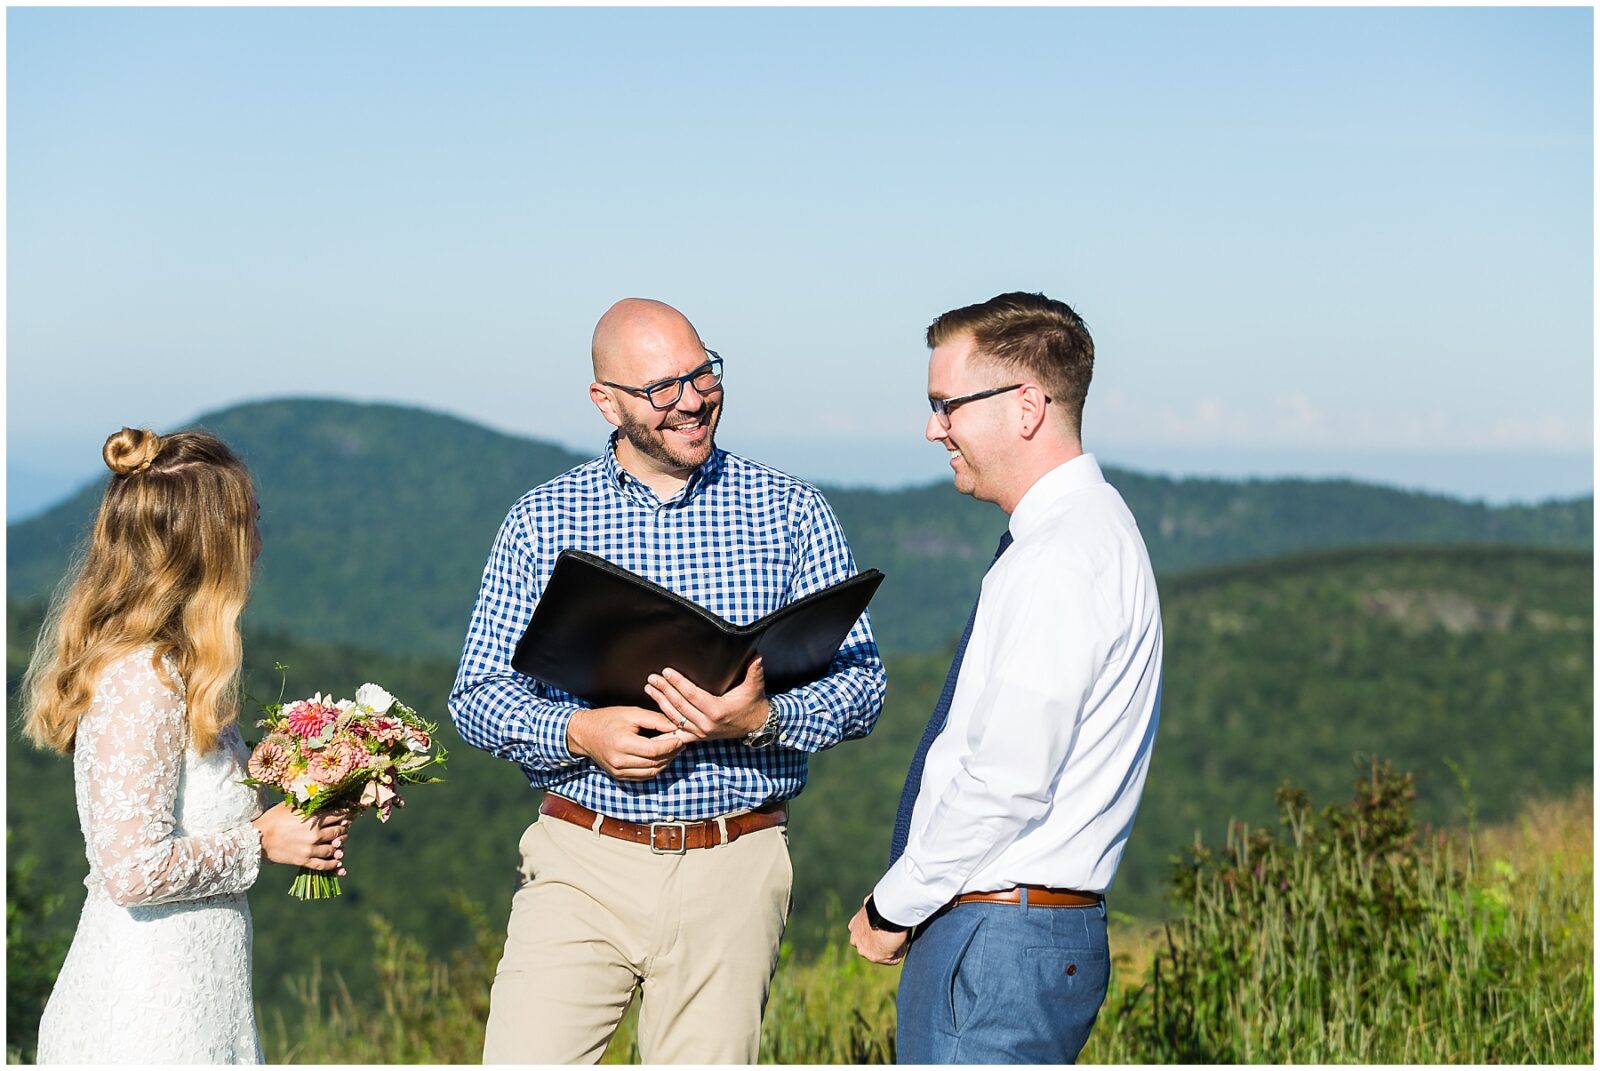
(316, 843)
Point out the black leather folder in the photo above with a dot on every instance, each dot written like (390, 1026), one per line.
(600, 630)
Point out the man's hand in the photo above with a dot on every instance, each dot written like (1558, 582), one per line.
(702, 716)
(879, 946)
(612, 737)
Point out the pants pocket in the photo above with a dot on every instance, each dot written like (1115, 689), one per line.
(786, 872)
(966, 986)
(1070, 969)
(527, 847)
(1071, 985)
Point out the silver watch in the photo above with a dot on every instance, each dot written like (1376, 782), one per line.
(767, 734)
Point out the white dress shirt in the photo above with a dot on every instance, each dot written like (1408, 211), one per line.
(1037, 774)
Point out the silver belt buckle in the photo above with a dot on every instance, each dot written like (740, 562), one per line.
(683, 837)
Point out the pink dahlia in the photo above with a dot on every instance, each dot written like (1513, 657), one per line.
(388, 730)
(308, 719)
(352, 753)
(418, 739)
(331, 765)
(269, 761)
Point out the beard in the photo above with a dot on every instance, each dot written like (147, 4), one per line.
(654, 444)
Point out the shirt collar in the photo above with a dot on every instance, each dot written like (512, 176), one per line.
(1078, 474)
(627, 482)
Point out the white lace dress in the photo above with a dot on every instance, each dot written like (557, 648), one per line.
(159, 969)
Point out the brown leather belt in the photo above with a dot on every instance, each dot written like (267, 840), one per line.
(666, 838)
(1038, 896)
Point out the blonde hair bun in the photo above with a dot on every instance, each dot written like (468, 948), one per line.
(129, 450)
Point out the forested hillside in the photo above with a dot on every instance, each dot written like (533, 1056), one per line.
(1477, 660)
(1476, 657)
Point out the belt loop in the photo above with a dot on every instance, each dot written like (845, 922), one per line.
(1023, 889)
(722, 824)
(599, 820)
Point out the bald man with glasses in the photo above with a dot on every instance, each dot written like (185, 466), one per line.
(660, 861)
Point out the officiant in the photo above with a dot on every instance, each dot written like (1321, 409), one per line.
(660, 858)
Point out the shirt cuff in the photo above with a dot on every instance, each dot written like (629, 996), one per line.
(901, 900)
(550, 742)
(790, 711)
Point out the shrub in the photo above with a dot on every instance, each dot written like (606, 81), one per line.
(34, 953)
(1350, 939)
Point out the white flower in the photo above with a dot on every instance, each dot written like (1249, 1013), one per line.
(374, 698)
(304, 787)
(346, 706)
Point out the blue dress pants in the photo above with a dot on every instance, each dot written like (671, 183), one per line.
(1003, 984)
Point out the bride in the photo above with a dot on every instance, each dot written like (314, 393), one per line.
(136, 675)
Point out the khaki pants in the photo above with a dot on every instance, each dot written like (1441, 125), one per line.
(595, 916)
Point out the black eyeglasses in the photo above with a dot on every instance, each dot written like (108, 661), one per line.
(943, 406)
(665, 393)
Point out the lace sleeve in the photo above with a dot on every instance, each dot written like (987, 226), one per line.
(132, 756)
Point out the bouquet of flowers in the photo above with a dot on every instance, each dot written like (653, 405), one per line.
(325, 754)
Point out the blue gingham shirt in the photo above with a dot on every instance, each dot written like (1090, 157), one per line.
(741, 540)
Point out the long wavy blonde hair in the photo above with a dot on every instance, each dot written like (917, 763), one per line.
(167, 564)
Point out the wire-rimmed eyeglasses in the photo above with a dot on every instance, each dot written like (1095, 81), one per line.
(664, 394)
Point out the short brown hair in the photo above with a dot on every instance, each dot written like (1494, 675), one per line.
(1033, 334)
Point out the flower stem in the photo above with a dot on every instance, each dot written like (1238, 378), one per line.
(314, 885)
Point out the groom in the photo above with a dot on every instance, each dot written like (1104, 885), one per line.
(1022, 793)
(662, 855)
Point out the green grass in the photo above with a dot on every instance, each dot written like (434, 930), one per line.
(421, 1009)
(833, 1009)
(1313, 950)
(1347, 937)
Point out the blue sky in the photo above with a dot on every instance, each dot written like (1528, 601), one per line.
(1352, 241)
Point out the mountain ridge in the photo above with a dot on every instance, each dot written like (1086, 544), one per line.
(377, 519)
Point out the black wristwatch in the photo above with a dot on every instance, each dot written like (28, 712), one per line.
(878, 922)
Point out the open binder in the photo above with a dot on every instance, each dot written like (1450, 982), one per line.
(600, 630)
